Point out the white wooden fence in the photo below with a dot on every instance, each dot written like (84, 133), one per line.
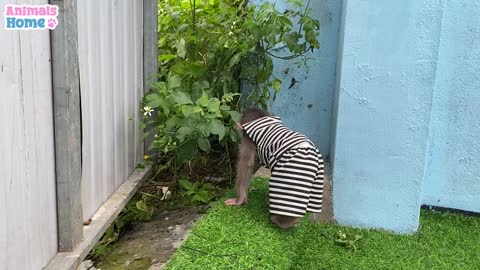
(28, 224)
(110, 45)
(111, 53)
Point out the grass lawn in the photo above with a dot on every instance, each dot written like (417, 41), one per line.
(243, 238)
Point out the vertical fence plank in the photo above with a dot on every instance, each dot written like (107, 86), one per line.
(138, 62)
(129, 83)
(117, 98)
(66, 92)
(88, 164)
(28, 214)
(111, 74)
(150, 50)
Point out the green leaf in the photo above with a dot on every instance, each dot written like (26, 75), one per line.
(165, 57)
(174, 81)
(204, 129)
(216, 127)
(159, 86)
(183, 132)
(101, 250)
(181, 98)
(277, 84)
(235, 116)
(196, 198)
(233, 135)
(291, 39)
(197, 109)
(196, 185)
(182, 27)
(109, 232)
(186, 151)
(187, 110)
(171, 122)
(203, 196)
(187, 185)
(200, 86)
(297, 3)
(213, 105)
(154, 100)
(142, 206)
(180, 45)
(224, 107)
(195, 69)
(286, 23)
(189, 192)
(203, 100)
(208, 186)
(204, 144)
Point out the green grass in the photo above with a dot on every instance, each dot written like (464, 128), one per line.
(244, 238)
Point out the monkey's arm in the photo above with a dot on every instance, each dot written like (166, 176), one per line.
(246, 161)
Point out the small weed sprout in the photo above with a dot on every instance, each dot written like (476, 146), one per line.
(348, 240)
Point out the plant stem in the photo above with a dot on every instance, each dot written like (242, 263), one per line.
(290, 57)
(304, 12)
(193, 8)
(150, 195)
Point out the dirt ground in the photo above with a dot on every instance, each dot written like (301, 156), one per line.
(149, 245)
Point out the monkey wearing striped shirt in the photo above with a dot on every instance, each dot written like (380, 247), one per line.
(296, 182)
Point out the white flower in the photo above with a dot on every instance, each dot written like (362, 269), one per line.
(234, 22)
(230, 33)
(147, 110)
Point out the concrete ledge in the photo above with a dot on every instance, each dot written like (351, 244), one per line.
(105, 215)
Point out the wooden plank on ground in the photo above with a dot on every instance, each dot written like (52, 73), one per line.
(100, 222)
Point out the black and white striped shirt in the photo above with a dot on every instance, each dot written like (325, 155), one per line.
(272, 139)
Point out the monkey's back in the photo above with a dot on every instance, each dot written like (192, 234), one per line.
(272, 138)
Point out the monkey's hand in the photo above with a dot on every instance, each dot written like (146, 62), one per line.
(236, 201)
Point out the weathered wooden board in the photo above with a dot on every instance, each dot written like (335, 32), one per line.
(28, 224)
(111, 81)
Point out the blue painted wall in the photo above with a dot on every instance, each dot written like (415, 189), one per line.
(307, 106)
(385, 88)
(452, 176)
(397, 82)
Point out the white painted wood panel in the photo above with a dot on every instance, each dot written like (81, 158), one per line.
(28, 226)
(111, 82)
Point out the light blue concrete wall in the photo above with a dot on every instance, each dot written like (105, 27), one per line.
(406, 101)
(452, 176)
(307, 106)
(385, 88)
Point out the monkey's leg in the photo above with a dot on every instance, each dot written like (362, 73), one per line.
(285, 222)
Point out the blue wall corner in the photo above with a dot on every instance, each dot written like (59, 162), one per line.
(387, 76)
(452, 177)
(392, 97)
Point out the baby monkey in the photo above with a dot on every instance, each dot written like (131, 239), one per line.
(297, 169)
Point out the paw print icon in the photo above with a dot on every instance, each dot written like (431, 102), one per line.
(52, 23)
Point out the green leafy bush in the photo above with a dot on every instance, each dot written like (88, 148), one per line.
(206, 50)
